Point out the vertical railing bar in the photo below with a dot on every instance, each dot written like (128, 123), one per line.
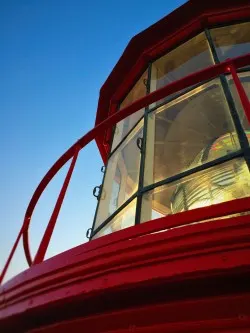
(241, 91)
(52, 222)
(143, 152)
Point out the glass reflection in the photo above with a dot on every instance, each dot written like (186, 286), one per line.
(231, 41)
(124, 219)
(121, 178)
(126, 125)
(188, 58)
(228, 181)
(181, 133)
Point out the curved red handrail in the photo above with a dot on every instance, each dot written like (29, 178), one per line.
(203, 75)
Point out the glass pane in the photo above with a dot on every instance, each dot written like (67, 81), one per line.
(232, 41)
(245, 80)
(121, 178)
(188, 58)
(125, 126)
(228, 181)
(124, 219)
(189, 131)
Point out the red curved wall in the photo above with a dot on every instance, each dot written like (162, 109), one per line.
(194, 278)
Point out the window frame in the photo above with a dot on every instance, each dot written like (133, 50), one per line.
(243, 152)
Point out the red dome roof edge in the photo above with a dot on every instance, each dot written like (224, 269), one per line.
(193, 10)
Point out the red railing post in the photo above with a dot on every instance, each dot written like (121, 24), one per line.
(6, 266)
(241, 91)
(52, 222)
(191, 79)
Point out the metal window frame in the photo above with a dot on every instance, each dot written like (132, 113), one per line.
(93, 230)
(113, 215)
(189, 172)
(243, 152)
(243, 140)
(219, 161)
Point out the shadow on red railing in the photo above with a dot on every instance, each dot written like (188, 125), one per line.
(228, 66)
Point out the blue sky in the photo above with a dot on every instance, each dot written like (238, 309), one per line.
(55, 56)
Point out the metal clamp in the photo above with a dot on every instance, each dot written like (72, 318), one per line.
(103, 169)
(139, 143)
(88, 233)
(99, 191)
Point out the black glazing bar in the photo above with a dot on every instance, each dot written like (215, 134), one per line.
(212, 46)
(143, 153)
(230, 101)
(112, 216)
(244, 69)
(203, 167)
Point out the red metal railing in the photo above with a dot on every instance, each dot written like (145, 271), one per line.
(229, 66)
